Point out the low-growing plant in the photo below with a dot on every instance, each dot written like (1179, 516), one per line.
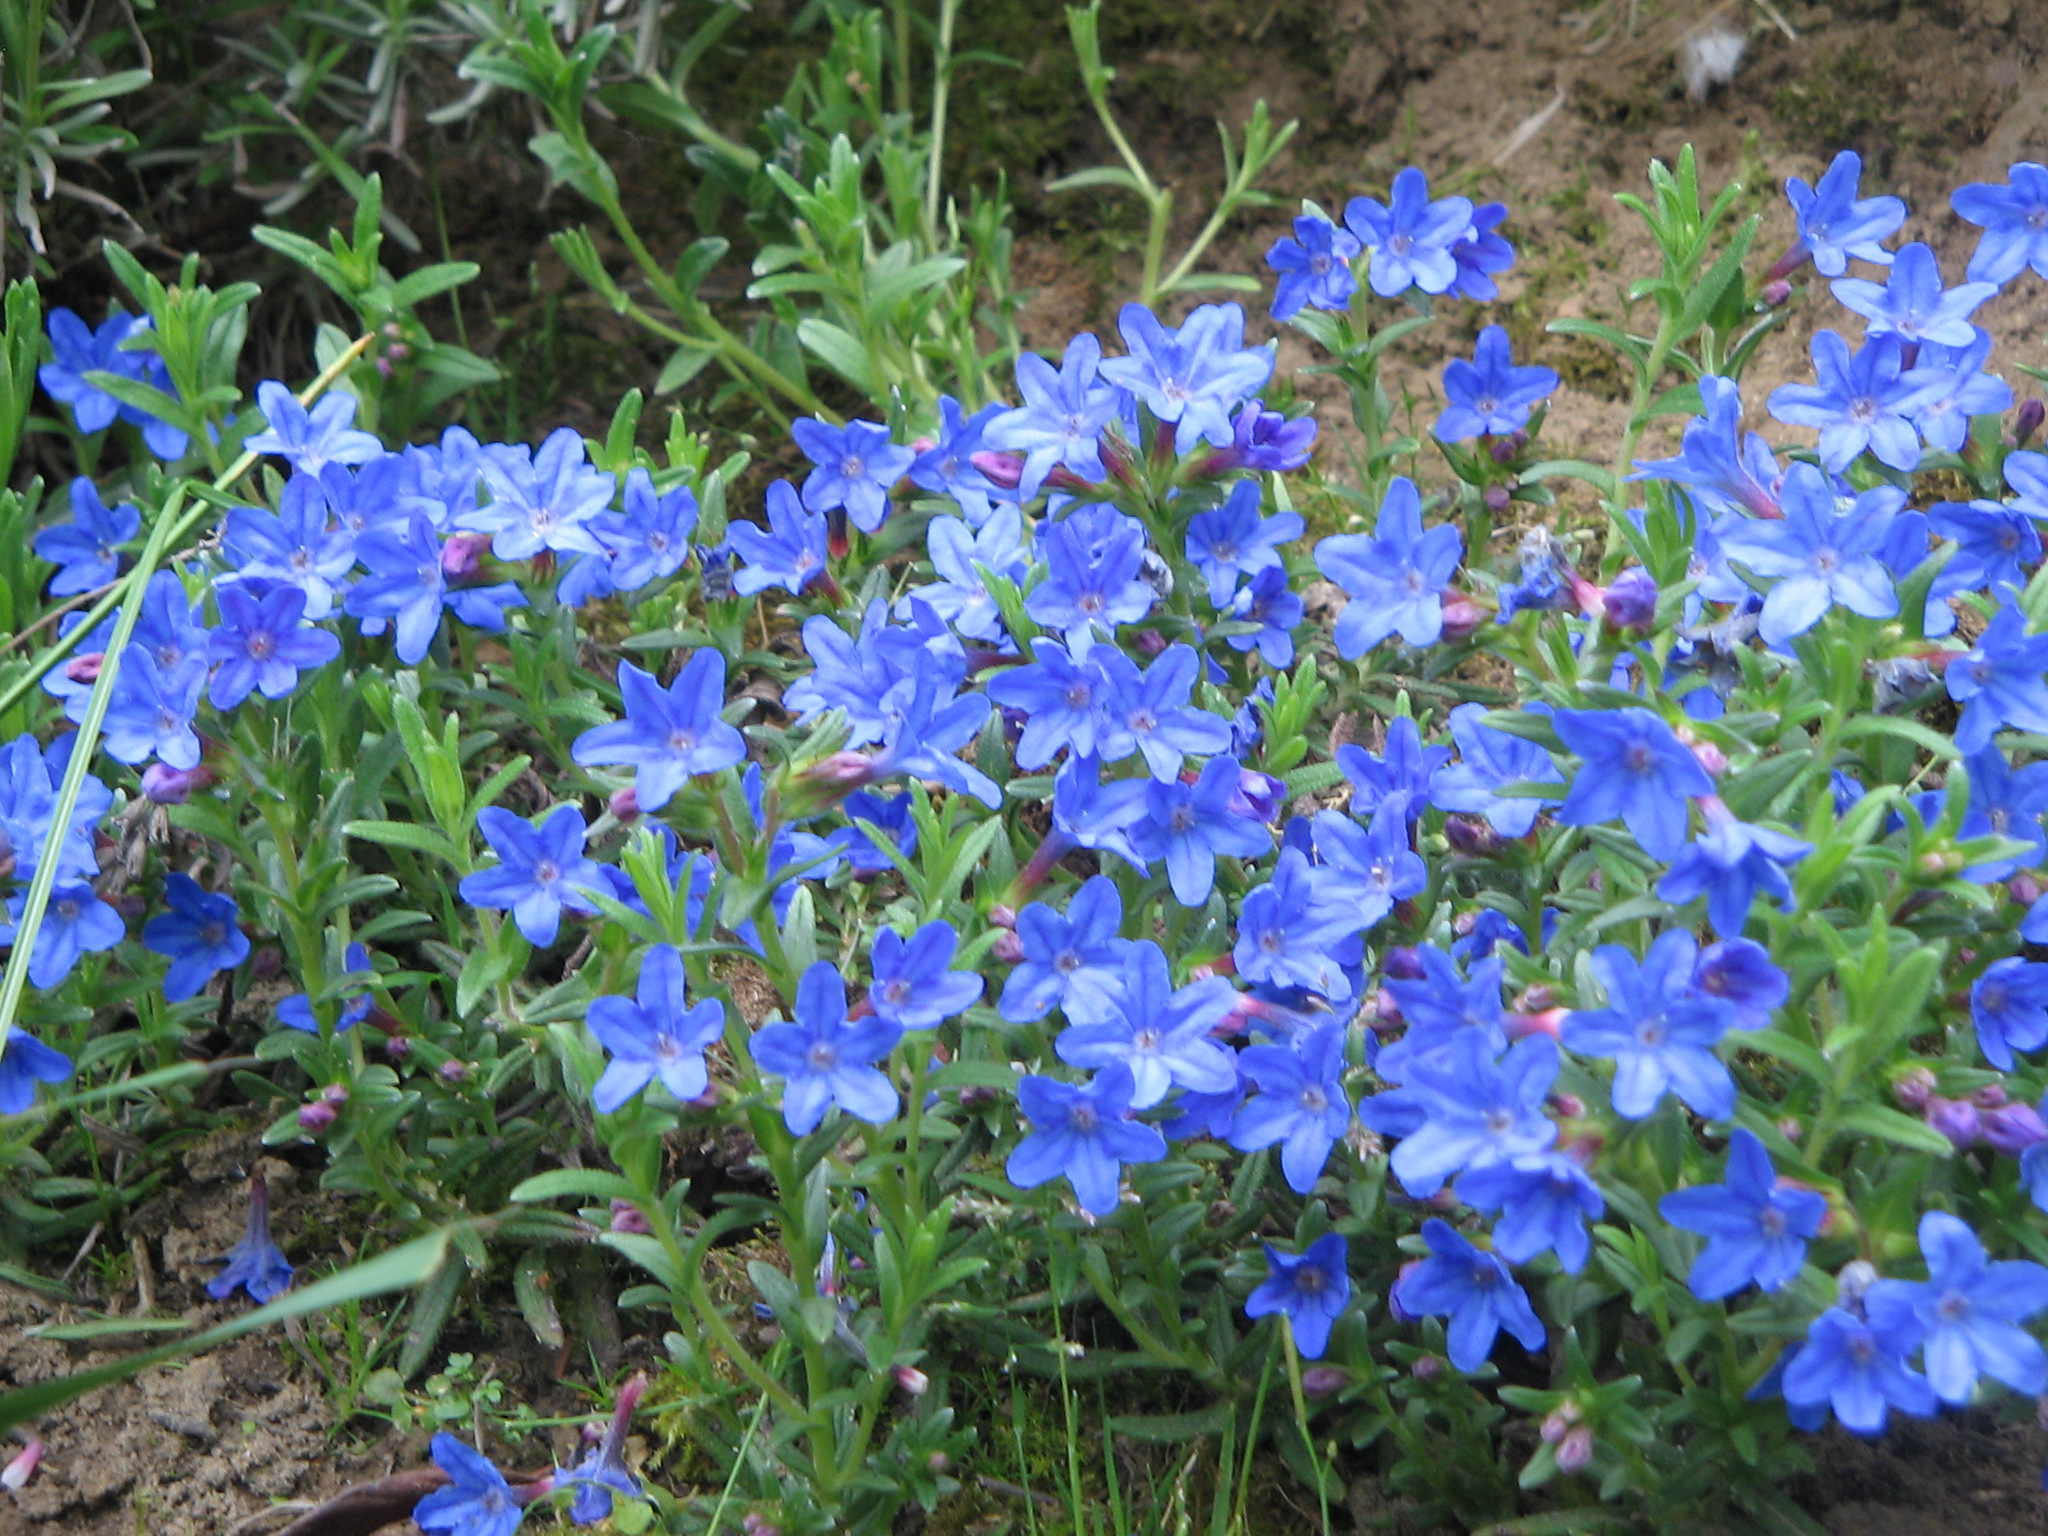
(1612, 930)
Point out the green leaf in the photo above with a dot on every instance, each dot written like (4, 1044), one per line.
(595, 1183)
(404, 834)
(839, 351)
(1900, 1129)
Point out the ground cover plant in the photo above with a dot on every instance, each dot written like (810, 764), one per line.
(1524, 986)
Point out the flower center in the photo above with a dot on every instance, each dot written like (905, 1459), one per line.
(852, 468)
(1083, 1118)
(1066, 962)
(261, 644)
(546, 872)
(681, 741)
(822, 1057)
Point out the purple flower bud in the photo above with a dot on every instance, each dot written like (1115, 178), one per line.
(1554, 1428)
(1004, 469)
(1475, 839)
(335, 1094)
(1632, 600)
(463, 555)
(1914, 1089)
(315, 1118)
(1402, 964)
(2012, 1128)
(974, 1096)
(1462, 616)
(398, 1047)
(1008, 949)
(912, 1380)
(2023, 888)
(1426, 1367)
(1497, 498)
(1002, 915)
(1149, 642)
(1322, 1380)
(1506, 449)
(454, 1071)
(1259, 795)
(625, 804)
(1791, 1129)
(164, 785)
(267, 965)
(1990, 1096)
(1774, 293)
(2026, 421)
(628, 1217)
(1957, 1119)
(938, 1462)
(1575, 1452)
(758, 1524)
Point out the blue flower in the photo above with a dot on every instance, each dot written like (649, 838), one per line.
(1311, 1290)
(1756, 1226)
(824, 1058)
(255, 1264)
(406, 584)
(2014, 218)
(24, 1062)
(650, 541)
(152, 709)
(1633, 768)
(855, 468)
(1266, 441)
(655, 1035)
(1267, 601)
(1859, 1369)
(892, 814)
(541, 498)
(2009, 1008)
(913, 989)
(76, 922)
(1912, 305)
(1065, 702)
(669, 736)
(1489, 760)
(1400, 777)
(1728, 471)
(1410, 237)
(1862, 402)
(1490, 929)
(1967, 1313)
(1835, 224)
(1957, 388)
(29, 776)
(790, 554)
(1659, 1034)
(1288, 931)
(1370, 868)
(959, 595)
(296, 1011)
(1082, 1133)
(539, 871)
(1060, 423)
(1232, 540)
(1440, 1008)
(1741, 974)
(1995, 544)
(1191, 376)
(1490, 396)
(88, 547)
(78, 350)
(199, 935)
(1107, 817)
(298, 546)
(947, 467)
(1191, 825)
(1480, 253)
(1149, 711)
(1474, 1289)
(1301, 1105)
(1999, 681)
(477, 1501)
(928, 725)
(2008, 803)
(1090, 585)
(1073, 963)
(1544, 1202)
(604, 1473)
(1395, 578)
(1161, 1034)
(261, 642)
(1314, 264)
(311, 440)
(1460, 1109)
(856, 676)
(1730, 863)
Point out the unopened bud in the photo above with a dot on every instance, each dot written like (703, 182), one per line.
(2010, 1129)
(1426, 1368)
(1631, 600)
(1853, 1283)
(1710, 757)
(912, 1380)
(1471, 837)
(2026, 422)
(1914, 1089)
(315, 1118)
(1497, 498)
(1506, 449)
(1008, 949)
(463, 555)
(16, 1473)
(1149, 642)
(1005, 469)
(1990, 1096)
(975, 1095)
(938, 1462)
(267, 965)
(838, 542)
(1554, 1428)
(1322, 1380)
(1791, 1129)
(1575, 1452)
(398, 1047)
(1774, 293)
(1957, 1119)
(85, 669)
(454, 1071)
(1537, 998)
(1936, 866)
(1003, 915)
(174, 786)
(1259, 796)
(759, 1525)
(1569, 1106)
(625, 804)
(1462, 616)
(1402, 964)
(2023, 888)
(628, 1217)
(335, 1094)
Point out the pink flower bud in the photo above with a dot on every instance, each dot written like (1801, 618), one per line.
(1008, 949)
(1575, 1452)
(1005, 469)
(1990, 1096)
(85, 669)
(1554, 1428)
(1569, 1106)
(454, 1071)
(1426, 1367)
(1462, 616)
(1002, 915)
(1913, 1090)
(398, 1047)
(758, 1524)
(1497, 498)
(938, 1462)
(1791, 1129)
(625, 804)
(628, 1217)
(462, 556)
(1957, 1119)
(174, 786)
(1710, 757)
(911, 1380)
(315, 1118)
(335, 1094)
(16, 1473)
(2023, 888)
(842, 770)
(1322, 1380)
(1774, 293)
(1149, 642)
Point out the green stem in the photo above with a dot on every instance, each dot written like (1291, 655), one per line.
(942, 89)
(1301, 1419)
